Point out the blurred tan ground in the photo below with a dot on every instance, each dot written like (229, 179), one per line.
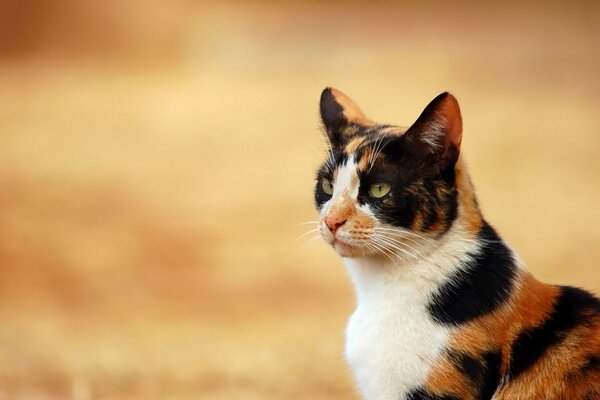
(155, 158)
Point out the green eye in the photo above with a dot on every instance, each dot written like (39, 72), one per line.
(379, 190)
(327, 186)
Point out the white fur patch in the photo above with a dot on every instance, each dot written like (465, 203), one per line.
(346, 175)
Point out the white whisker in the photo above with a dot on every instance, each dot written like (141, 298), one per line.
(404, 232)
(404, 238)
(399, 243)
(375, 152)
(313, 148)
(395, 246)
(307, 233)
(330, 160)
(396, 235)
(309, 241)
(307, 223)
(381, 147)
(378, 248)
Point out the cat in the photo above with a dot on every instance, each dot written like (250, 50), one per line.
(445, 309)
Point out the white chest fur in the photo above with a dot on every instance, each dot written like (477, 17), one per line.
(391, 342)
(391, 339)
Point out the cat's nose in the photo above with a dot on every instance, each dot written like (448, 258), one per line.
(334, 222)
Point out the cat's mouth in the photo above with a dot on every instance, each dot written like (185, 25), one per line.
(345, 245)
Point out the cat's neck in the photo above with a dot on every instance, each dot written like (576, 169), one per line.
(399, 276)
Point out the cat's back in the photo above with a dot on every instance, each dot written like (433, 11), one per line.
(559, 358)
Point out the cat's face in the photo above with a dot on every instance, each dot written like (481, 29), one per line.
(386, 190)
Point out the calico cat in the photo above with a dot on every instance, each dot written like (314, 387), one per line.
(445, 310)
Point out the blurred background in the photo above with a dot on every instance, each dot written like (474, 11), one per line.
(156, 157)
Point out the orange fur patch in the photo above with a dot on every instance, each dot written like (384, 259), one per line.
(556, 372)
(365, 162)
(447, 379)
(354, 144)
(559, 370)
(469, 212)
(352, 113)
(342, 209)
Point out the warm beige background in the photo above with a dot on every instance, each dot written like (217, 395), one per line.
(155, 157)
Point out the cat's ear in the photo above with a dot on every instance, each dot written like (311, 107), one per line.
(339, 115)
(437, 133)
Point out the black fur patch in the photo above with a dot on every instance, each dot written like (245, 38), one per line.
(592, 364)
(478, 289)
(483, 373)
(333, 117)
(491, 381)
(572, 308)
(418, 191)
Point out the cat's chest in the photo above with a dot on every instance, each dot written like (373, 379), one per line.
(391, 345)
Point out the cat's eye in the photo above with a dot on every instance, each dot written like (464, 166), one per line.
(378, 190)
(327, 186)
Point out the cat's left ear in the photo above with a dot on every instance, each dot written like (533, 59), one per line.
(340, 115)
(437, 133)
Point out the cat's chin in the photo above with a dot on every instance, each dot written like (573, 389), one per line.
(347, 250)
(343, 247)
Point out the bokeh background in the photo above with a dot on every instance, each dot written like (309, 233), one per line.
(156, 157)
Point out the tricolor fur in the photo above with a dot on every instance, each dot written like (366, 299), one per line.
(445, 310)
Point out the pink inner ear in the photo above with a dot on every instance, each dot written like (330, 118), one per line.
(453, 120)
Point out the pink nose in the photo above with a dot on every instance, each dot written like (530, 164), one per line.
(334, 222)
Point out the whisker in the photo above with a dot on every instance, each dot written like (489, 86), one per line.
(330, 161)
(394, 246)
(404, 232)
(378, 248)
(306, 142)
(395, 254)
(408, 238)
(307, 223)
(308, 241)
(400, 236)
(307, 233)
(313, 239)
(407, 245)
(374, 154)
(381, 147)
(396, 242)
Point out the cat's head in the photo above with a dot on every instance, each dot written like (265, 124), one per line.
(385, 189)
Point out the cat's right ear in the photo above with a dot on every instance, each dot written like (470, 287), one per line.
(437, 133)
(339, 115)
